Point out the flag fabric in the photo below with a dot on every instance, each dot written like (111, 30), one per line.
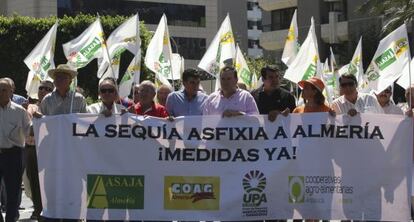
(40, 60)
(392, 54)
(291, 45)
(221, 51)
(405, 81)
(86, 47)
(131, 76)
(355, 67)
(125, 37)
(159, 54)
(334, 66)
(243, 71)
(177, 63)
(330, 81)
(305, 64)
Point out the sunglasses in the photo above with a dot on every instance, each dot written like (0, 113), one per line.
(345, 84)
(106, 91)
(45, 88)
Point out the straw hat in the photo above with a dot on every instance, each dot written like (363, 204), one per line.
(314, 81)
(62, 69)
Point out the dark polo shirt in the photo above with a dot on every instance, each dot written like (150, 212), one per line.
(278, 99)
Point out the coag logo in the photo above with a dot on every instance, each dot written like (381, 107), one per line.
(186, 193)
(296, 189)
(115, 192)
(254, 183)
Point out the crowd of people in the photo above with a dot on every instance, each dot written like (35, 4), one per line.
(17, 145)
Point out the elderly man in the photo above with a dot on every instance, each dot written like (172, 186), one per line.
(388, 106)
(146, 104)
(109, 95)
(162, 94)
(188, 101)
(15, 125)
(271, 99)
(230, 100)
(352, 102)
(63, 100)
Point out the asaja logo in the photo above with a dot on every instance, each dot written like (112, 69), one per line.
(296, 189)
(115, 192)
(191, 193)
(254, 183)
(385, 59)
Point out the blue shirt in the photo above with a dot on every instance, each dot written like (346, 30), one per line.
(18, 99)
(178, 104)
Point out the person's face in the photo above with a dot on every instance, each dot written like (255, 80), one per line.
(309, 91)
(5, 92)
(62, 81)
(192, 85)
(228, 81)
(108, 93)
(162, 94)
(146, 94)
(44, 89)
(385, 96)
(407, 96)
(272, 79)
(347, 87)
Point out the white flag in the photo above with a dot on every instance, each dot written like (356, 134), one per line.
(305, 64)
(243, 71)
(221, 50)
(86, 47)
(125, 37)
(40, 60)
(392, 54)
(131, 76)
(176, 62)
(291, 46)
(332, 59)
(355, 67)
(404, 80)
(159, 54)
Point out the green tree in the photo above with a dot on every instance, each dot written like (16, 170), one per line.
(394, 12)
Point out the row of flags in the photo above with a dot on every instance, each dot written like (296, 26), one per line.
(91, 44)
(389, 64)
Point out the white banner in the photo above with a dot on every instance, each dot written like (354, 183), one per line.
(211, 168)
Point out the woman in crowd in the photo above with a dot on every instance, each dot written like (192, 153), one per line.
(313, 98)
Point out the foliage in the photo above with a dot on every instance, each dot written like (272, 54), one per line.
(394, 12)
(20, 34)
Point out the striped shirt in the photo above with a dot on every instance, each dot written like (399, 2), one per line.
(54, 104)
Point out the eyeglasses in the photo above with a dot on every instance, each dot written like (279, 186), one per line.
(345, 84)
(45, 88)
(106, 91)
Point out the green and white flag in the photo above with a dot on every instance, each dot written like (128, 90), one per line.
(392, 54)
(355, 67)
(131, 76)
(177, 63)
(40, 60)
(125, 37)
(243, 71)
(159, 54)
(221, 51)
(291, 45)
(305, 64)
(86, 47)
(329, 78)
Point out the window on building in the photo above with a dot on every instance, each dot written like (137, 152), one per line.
(189, 48)
(281, 18)
(251, 43)
(338, 6)
(149, 12)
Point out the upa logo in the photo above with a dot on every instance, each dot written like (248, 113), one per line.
(254, 183)
(191, 193)
(296, 189)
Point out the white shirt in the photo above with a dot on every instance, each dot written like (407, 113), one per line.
(391, 108)
(15, 125)
(99, 107)
(365, 103)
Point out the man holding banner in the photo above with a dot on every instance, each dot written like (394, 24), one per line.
(229, 100)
